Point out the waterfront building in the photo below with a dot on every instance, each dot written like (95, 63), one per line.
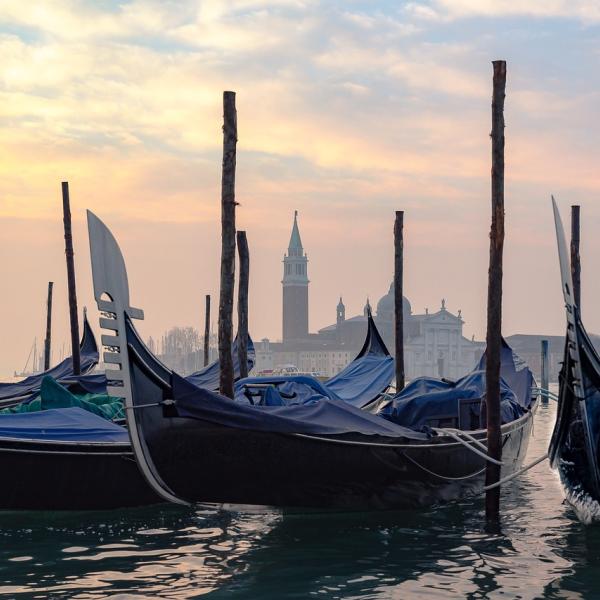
(434, 342)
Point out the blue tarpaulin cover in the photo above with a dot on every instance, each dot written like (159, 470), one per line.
(32, 384)
(325, 417)
(515, 372)
(361, 382)
(280, 391)
(62, 424)
(208, 377)
(426, 398)
(363, 379)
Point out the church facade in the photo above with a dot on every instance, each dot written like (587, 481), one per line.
(434, 343)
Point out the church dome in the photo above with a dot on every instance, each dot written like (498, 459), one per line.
(385, 306)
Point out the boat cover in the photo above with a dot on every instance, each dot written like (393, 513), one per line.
(363, 379)
(280, 391)
(427, 398)
(325, 417)
(64, 369)
(209, 376)
(64, 424)
(361, 382)
(515, 372)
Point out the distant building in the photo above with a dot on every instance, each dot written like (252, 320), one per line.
(295, 288)
(434, 343)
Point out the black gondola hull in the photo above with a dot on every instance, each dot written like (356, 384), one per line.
(63, 476)
(204, 462)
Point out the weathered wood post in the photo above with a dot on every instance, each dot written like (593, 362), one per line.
(494, 301)
(544, 369)
(47, 341)
(207, 330)
(227, 244)
(71, 280)
(243, 284)
(575, 256)
(398, 297)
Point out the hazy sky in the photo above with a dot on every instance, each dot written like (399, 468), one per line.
(347, 111)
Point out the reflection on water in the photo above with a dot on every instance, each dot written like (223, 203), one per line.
(168, 552)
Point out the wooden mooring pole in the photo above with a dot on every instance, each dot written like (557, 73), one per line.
(71, 280)
(48, 340)
(575, 256)
(206, 330)
(494, 301)
(244, 281)
(398, 298)
(227, 244)
(544, 369)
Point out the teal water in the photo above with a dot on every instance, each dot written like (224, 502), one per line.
(541, 550)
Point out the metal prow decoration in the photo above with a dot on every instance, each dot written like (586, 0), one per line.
(111, 291)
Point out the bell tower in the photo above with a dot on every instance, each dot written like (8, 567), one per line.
(295, 288)
(339, 321)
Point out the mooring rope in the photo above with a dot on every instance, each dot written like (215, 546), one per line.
(546, 393)
(452, 433)
(515, 474)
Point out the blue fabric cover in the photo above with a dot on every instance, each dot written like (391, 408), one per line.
(358, 384)
(427, 398)
(516, 373)
(31, 385)
(303, 388)
(208, 377)
(326, 417)
(62, 424)
(363, 379)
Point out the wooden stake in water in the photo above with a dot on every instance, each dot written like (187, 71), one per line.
(244, 280)
(207, 330)
(48, 340)
(227, 244)
(71, 279)
(544, 364)
(494, 301)
(398, 297)
(575, 256)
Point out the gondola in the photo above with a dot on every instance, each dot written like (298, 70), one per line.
(193, 445)
(13, 393)
(574, 445)
(70, 459)
(363, 382)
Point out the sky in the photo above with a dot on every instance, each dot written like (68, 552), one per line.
(347, 111)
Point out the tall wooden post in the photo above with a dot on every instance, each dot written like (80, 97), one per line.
(544, 369)
(207, 330)
(227, 244)
(244, 280)
(398, 297)
(575, 257)
(494, 301)
(47, 341)
(71, 280)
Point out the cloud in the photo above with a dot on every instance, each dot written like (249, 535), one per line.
(346, 111)
(584, 10)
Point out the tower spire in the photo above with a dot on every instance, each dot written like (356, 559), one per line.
(295, 288)
(295, 245)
